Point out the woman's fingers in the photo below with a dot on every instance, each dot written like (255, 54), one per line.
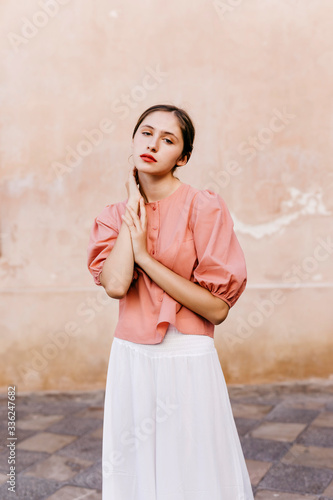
(132, 212)
(135, 218)
(143, 215)
(126, 220)
(127, 217)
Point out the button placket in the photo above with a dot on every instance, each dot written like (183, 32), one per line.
(154, 227)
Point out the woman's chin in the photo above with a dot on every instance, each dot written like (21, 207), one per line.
(149, 169)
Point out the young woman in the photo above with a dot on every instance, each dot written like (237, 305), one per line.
(171, 257)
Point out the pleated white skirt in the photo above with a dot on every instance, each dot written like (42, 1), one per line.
(168, 430)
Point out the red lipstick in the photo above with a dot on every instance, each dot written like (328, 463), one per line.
(147, 158)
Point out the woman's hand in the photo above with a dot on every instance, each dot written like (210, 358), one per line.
(138, 229)
(132, 188)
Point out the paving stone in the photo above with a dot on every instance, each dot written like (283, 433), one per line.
(73, 493)
(93, 412)
(37, 422)
(255, 393)
(3, 478)
(4, 414)
(75, 426)
(58, 403)
(85, 447)
(3, 426)
(29, 488)
(46, 441)
(244, 425)
(278, 431)
(296, 479)
(58, 468)
(90, 398)
(263, 449)
(325, 419)
(306, 404)
(329, 490)
(20, 434)
(311, 456)
(98, 433)
(257, 469)
(320, 386)
(49, 407)
(304, 389)
(277, 495)
(291, 415)
(317, 436)
(90, 478)
(250, 411)
(304, 399)
(23, 459)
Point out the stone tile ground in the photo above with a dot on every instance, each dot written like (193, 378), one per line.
(286, 432)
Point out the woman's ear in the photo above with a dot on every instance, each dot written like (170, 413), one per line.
(182, 161)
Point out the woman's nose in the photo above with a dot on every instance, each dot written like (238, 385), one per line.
(153, 145)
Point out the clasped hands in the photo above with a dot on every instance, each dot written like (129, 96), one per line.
(138, 230)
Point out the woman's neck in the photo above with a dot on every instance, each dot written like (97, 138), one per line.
(158, 189)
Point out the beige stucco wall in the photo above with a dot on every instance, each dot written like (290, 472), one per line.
(256, 76)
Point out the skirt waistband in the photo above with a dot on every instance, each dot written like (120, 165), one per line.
(175, 343)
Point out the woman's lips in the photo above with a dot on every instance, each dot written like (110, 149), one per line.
(147, 158)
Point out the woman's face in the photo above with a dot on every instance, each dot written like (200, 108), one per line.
(161, 132)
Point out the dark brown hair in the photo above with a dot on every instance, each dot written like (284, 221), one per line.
(185, 124)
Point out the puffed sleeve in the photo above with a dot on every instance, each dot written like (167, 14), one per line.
(221, 266)
(103, 236)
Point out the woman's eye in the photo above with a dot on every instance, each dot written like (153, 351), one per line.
(148, 133)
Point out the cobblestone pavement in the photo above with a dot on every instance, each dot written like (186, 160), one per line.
(286, 432)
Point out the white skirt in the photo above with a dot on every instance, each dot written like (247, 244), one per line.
(168, 430)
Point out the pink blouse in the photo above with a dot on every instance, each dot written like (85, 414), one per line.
(191, 233)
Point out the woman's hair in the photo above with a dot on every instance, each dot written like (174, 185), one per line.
(185, 124)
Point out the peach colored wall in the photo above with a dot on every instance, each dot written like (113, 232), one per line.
(256, 76)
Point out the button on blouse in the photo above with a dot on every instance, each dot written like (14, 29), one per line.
(191, 233)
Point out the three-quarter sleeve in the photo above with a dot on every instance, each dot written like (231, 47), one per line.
(103, 236)
(221, 266)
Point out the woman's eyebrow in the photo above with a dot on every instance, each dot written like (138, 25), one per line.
(162, 131)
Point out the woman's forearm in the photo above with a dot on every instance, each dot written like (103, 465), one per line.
(117, 273)
(189, 294)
